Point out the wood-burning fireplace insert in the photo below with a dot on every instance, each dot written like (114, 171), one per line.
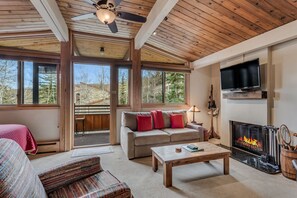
(255, 146)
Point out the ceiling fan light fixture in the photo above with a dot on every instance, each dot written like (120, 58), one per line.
(105, 16)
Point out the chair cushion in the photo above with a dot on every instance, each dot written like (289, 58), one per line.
(182, 134)
(144, 123)
(94, 183)
(151, 137)
(17, 176)
(176, 121)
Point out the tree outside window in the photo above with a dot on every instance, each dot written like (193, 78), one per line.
(163, 87)
(123, 86)
(8, 82)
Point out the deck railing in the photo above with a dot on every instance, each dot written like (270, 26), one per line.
(91, 109)
(95, 117)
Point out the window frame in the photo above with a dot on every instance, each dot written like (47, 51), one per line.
(129, 84)
(19, 105)
(186, 91)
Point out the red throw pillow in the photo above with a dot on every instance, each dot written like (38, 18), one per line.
(144, 123)
(177, 121)
(158, 119)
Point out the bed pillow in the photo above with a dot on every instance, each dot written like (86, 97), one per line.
(177, 121)
(144, 123)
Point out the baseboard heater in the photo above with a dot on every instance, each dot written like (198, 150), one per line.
(48, 147)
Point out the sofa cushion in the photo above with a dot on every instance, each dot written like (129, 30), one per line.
(158, 119)
(129, 119)
(144, 123)
(166, 117)
(151, 137)
(182, 134)
(177, 121)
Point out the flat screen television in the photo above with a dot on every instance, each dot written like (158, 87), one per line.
(241, 76)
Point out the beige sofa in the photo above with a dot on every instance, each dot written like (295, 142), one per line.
(138, 144)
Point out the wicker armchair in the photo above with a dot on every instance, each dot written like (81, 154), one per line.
(79, 178)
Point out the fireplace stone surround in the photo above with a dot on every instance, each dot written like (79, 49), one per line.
(256, 146)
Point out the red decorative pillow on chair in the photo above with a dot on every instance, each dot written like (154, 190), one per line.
(177, 121)
(144, 123)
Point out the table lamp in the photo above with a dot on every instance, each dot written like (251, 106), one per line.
(194, 109)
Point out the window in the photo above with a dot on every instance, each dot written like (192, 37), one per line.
(39, 84)
(8, 82)
(123, 86)
(174, 87)
(91, 84)
(152, 86)
(163, 87)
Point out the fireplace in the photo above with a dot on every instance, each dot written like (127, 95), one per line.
(249, 137)
(255, 146)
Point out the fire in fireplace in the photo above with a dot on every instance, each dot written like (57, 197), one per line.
(255, 146)
(250, 143)
(248, 137)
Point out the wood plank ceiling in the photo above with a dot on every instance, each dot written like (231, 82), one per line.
(71, 8)
(89, 46)
(193, 29)
(20, 16)
(197, 28)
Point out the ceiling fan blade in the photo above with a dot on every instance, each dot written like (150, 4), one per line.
(117, 2)
(131, 17)
(113, 27)
(84, 16)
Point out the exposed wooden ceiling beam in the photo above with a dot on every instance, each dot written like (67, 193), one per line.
(278, 35)
(159, 11)
(51, 14)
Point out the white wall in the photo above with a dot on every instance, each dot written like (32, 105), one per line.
(200, 81)
(44, 124)
(284, 59)
(248, 111)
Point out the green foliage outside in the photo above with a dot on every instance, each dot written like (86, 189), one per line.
(175, 88)
(48, 88)
(152, 87)
(123, 87)
(8, 82)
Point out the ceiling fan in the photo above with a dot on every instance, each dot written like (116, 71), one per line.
(106, 13)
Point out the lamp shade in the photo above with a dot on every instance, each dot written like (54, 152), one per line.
(105, 16)
(194, 109)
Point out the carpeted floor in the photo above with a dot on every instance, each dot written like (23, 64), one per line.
(196, 180)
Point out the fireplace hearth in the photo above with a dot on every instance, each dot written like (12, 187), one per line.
(255, 146)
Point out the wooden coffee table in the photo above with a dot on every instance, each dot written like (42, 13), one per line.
(167, 156)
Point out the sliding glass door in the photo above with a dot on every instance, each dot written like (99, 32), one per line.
(91, 92)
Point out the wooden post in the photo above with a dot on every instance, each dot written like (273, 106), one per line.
(136, 78)
(113, 104)
(65, 97)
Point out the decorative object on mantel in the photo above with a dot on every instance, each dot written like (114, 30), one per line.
(194, 109)
(288, 151)
(212, 107)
